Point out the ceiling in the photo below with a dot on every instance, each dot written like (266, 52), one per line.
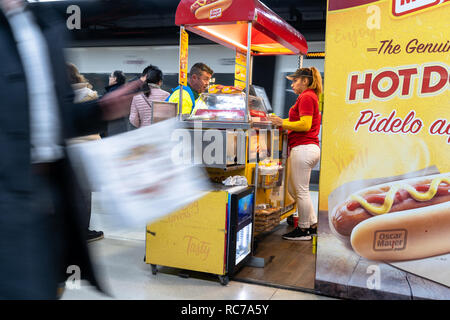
(152, 22)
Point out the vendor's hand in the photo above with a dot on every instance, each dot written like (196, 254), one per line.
(116, 104)
(276, 120)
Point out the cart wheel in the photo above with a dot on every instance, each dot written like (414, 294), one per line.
(290, 220)
(224, 280)
(154, 269)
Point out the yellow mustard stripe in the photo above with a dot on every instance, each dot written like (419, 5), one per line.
(390, 196)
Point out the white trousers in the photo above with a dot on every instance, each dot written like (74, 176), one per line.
(302, 160)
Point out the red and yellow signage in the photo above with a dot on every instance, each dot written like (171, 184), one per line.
(184, 46)
(210, 9)
(398, 8)
(240, 70)
(387, 100)
(385, 142)
(401, 8)
(225, 22)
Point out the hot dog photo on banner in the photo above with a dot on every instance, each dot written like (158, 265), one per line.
(204, 9)
(402, 220)
(384, 193)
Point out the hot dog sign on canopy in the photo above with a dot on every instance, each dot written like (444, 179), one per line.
(386, 121)
(207, 9)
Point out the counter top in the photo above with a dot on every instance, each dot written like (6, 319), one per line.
(205, 124)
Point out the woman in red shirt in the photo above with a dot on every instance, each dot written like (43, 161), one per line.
(303, 127)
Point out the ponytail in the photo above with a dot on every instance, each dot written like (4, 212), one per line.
(316, 83)
(154, 75)
(146, 89)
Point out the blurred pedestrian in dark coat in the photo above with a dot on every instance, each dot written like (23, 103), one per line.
(41, 231)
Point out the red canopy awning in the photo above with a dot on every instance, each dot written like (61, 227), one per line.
(225, 22)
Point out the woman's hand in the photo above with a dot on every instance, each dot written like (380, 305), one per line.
(276, 120)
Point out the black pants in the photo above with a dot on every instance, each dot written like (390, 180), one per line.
(63, 232)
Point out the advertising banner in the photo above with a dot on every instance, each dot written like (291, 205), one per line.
(240, 70)
(384, 201)
(184, 50)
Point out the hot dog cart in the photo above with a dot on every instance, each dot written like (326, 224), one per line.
(215, 234)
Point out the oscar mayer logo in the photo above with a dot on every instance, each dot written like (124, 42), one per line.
(403, 7)
(390, 240)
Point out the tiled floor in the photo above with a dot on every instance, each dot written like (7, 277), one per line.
(120, 264)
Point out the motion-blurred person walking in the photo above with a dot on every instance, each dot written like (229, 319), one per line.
(42, 232)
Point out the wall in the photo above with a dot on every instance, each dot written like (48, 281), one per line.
(133, 59)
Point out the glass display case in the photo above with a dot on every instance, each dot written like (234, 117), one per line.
(227, 107)
(219, 107)
(258, 110)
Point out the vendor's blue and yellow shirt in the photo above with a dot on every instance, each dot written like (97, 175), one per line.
(189, 98)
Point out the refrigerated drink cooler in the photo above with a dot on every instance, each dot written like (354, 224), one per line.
(213, 234)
